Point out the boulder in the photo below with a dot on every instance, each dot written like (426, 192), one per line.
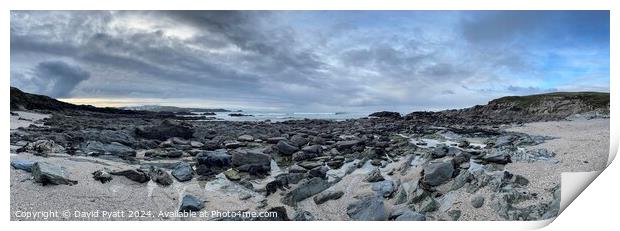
(183, 172)
(437, 173)
(191, 203)
(477, 201)
(46, 173)
(384, 188)
(305, 190)
(102, 175)
(285, 148)
(137, 175)
(301, 156)
(232, 174)
(160, 176)
(167, 129)
(96, 148)
(368, 208)
(245, 138)
(299, 140)
(217, 158)
(326, 196)
(251, 160)
(303, 216)
(346, 144)
(497, 156)
(42, 147)
(25, 165)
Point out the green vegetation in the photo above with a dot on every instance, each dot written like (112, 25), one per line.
(594, 99)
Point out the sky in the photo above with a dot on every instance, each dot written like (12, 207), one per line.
(311, 61)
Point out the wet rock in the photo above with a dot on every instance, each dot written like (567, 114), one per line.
(368, 208)
(167, 129)
(374, 176)
(217, 158)
(183, 172)
(253, 161)
(25, 165)
(160, 176)
(46, 173)
(477, 201)
(245, 138)
(102, 175)
(137, 175)
(305, 190)
(437, 173)
(232, 174)
(191, 203)
(326, 196)
(286, 148)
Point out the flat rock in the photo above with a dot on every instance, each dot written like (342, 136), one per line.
(25, 165)
(369, 208)
(137, 175)
(326, 196)
(305, 190)
(46, 173)
(286, 148)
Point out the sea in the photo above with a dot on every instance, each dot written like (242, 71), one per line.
(282, 116)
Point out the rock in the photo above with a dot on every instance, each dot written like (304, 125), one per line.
(167, 129)
(326, 196)
(191, 203)
(411, 216)
(297, 169)
(305, 190)
(497, 156)
(275, 140)
(313, 149)
(320, 171)
(384, 188)
(46, 173)
(196, 144)
(437, 173)
(386, 114)
(102, 175)
(299, 140)
(477, 201)
(217, 158)
(286, 148)
(232, 144)
(454, 214)
(374, 176)
(160, 176)
(301, 156)
(318, 140)
(42, 147)
(133, 174)
(309, 164)
(294, 178)
(303, 216)
(96, 148)
(369, 208)
(252, 161)
(183, 172)
(463, 144)
(25, 165)
(245, 138)
(440, 151)
(428, 205)
(346, 144)
(232, 174)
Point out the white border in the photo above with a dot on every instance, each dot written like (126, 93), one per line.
(587, 209)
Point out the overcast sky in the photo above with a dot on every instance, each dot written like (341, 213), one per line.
(307, 60)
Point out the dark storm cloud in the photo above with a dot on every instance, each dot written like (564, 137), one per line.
(58, 79)
(311, 62)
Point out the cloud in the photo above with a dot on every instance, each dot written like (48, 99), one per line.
(308, 60)
(58, 79)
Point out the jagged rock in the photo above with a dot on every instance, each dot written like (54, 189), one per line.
(374, 176)
(183, 172)
(309, 164)
(368, 208)
(437, 173)
(137, 175)
(102, 175)
(42, 147)
(191, 203)
(326, 196)
(167, 129)
(25, 165)
(160, 176)
(286, 148)
(305, 190)
(46, 173)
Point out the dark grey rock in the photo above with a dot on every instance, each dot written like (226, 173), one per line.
(305, 190)
(477, 201)
(286, 148)
(384, 188)
(217, 158)
(160, 176)
(46, 173)
(183, 172)
(102, 175)
(326, 196)
(369, 208)
(346, 144)
(374, 176)
(25, 165)
(299, 140)
(137, 175)
(437, 173)
(303, 216)
(167, 129)
(191, 203)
